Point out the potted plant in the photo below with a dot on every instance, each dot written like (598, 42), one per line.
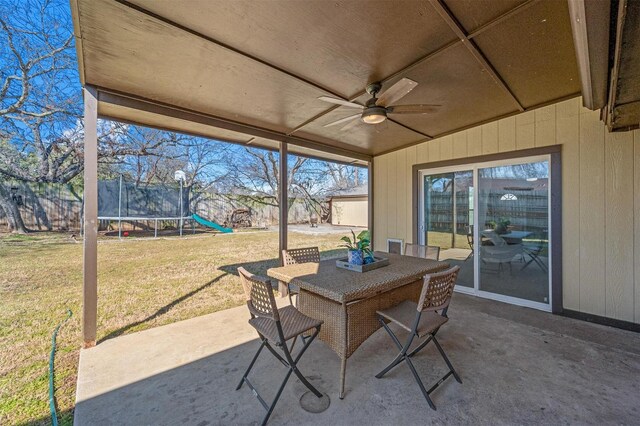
(502, 226)
(359, 248)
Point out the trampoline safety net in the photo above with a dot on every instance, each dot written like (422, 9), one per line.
(143, 201)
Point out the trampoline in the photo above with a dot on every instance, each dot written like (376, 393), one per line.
(122, 201)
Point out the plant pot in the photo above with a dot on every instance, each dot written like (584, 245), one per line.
(355, 257)
(500, 229)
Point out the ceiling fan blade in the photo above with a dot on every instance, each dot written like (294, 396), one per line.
(396, 92)
(413, 109)
(340, 102)
(350, 125)
(342, 120)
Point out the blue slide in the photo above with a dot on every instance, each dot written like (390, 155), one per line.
(204, 222)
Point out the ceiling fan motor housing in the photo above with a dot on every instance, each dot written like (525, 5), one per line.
(374, 88)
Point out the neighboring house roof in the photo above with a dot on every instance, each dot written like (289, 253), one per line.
(356, 191)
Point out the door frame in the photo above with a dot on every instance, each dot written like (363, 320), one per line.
(550, 153)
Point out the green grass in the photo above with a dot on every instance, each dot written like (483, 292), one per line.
(141, 284)
(443, 240)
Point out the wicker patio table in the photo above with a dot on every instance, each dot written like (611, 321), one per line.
(347, 301)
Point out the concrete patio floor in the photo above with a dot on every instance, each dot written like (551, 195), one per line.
(518, 366)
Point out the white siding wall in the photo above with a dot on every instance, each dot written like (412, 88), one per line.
(350, 211)
(600, 193)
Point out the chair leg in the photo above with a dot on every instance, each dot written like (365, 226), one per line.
(253, 361)
(444, 356)
(287, 361)
(422, 345)
(293, 344)
(404, 356)
(275, 400)
(403, 349)
(294, 364)
(425, 393)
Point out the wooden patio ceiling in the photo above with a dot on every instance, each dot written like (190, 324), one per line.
(252, 71)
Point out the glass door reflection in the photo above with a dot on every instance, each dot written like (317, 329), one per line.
(513, 212)
(448, 220)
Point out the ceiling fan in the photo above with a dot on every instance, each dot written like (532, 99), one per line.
(376, 109)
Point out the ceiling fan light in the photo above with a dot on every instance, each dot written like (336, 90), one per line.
(374, 115)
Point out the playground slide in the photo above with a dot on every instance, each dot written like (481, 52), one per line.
(205, 222)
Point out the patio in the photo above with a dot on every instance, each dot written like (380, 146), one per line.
(484, 104)
(518, 365)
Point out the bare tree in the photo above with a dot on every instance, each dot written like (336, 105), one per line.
(36, 50)
(254, 175)
(342, 176)
(36, 56)
(41, 133)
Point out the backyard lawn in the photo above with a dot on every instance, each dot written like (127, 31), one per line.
(142, 284)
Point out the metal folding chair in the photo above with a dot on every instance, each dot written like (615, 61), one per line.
(275, 327)
(426, 252)
(422, 320)
(299, 255)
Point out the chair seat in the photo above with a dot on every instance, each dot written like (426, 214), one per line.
(404, 314)
(293, 324)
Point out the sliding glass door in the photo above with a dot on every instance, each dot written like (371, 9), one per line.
(506, 256)
(448, 219)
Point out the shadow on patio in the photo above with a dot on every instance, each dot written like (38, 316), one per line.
(517, 365)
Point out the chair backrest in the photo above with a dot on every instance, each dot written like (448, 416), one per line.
(437, 290)
(427, 252)
(301, 255)
(259, 294)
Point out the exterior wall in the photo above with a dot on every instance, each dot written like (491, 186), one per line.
(350, 211)
(600, 198)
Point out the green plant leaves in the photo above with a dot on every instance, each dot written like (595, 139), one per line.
(360, 242)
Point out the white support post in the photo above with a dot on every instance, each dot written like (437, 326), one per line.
(90, 250)
(120, 209)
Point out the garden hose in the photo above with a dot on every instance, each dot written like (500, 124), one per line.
(52, 400)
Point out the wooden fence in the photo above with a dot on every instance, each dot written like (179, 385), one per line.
(59, 207)
(46, 206)
(529, 211)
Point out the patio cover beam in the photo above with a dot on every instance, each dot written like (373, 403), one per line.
(456, 27)
(90, 219)
(136, 103)
(266, 63)
(228, 47)
(590, 26)
(422, 60)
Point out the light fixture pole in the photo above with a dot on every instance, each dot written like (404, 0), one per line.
(180, 176)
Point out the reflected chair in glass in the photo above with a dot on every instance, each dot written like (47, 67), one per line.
(470, 242)
(426, 252)
(499, 251)
(423, 319)
(533, 248)
(275, 327)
